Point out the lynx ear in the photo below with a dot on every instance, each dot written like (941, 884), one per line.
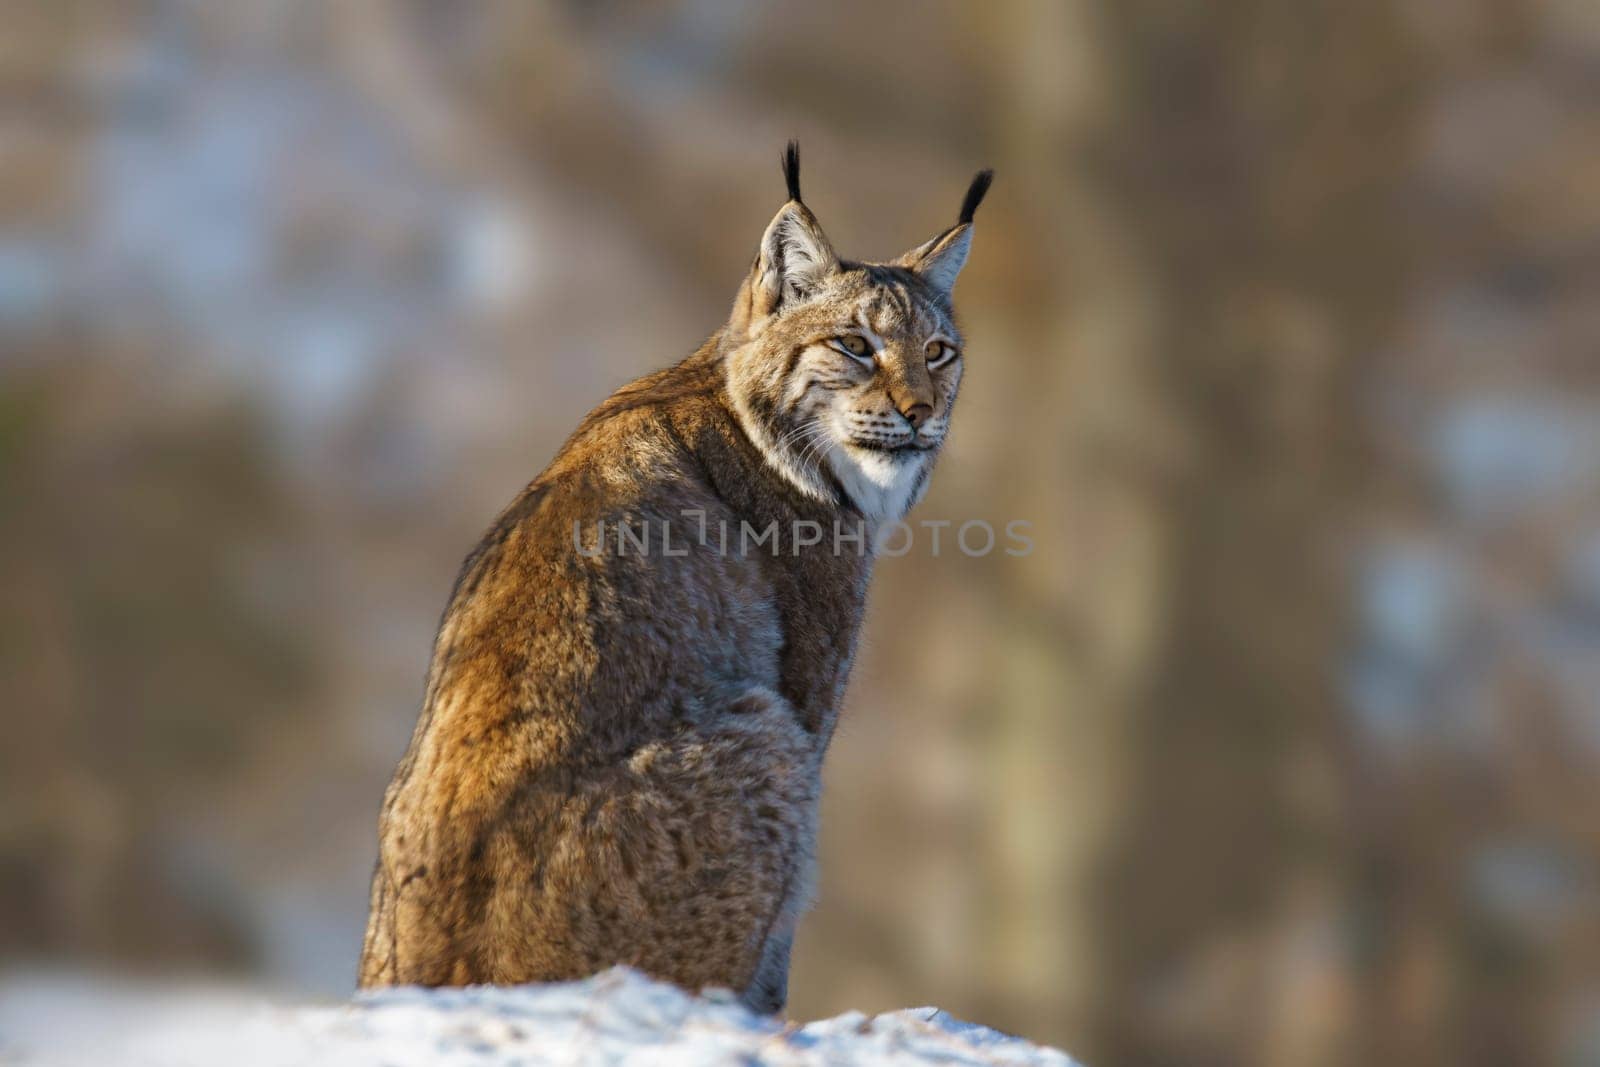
(795, 256)
(941, 259)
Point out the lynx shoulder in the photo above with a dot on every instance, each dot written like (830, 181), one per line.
(641, 664)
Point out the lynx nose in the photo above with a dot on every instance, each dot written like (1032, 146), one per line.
(917, 414)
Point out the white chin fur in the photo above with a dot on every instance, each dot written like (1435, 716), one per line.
(880, 484)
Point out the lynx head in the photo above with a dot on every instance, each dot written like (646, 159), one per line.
(844, 373)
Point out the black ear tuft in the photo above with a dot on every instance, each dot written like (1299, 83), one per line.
(975, 193)
(791, 169)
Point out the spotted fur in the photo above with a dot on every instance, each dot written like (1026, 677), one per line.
(618, 755)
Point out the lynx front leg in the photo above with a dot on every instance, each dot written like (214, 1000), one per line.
(769, 990)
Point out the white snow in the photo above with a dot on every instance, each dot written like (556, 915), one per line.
(618, 1017)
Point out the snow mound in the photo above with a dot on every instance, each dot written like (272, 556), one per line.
(618, 1017)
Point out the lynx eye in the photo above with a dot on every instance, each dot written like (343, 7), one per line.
(938, 352)
(853, 344)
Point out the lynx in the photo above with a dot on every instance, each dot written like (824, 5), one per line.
(618, 755)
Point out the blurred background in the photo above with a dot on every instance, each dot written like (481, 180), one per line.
(1283, 746)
